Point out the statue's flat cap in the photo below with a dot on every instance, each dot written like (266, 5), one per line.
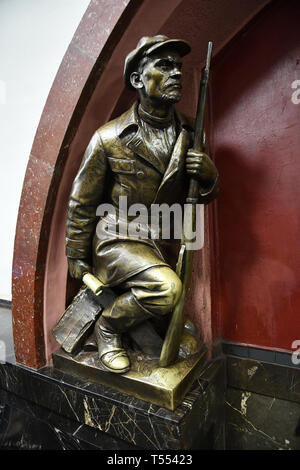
(149, 45)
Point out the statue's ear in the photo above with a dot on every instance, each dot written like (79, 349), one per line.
(135, 80)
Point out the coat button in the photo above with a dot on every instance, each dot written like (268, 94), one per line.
(140, 174)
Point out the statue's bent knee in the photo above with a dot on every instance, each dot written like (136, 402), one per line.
(161, 293)
(171, 290)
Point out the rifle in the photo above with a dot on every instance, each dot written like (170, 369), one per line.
(171, 343)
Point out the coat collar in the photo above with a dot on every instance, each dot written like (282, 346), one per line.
(130, 119)
(128, 125)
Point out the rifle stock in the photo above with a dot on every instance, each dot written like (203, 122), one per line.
(171, 343)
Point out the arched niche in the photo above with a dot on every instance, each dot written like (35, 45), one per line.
(88, 90)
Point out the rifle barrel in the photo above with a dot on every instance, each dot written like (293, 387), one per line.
(200, 116)
(171, 344)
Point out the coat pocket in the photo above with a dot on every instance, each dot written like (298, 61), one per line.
(122, 166)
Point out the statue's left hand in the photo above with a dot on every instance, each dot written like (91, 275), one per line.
(78, 267)
(201, 167)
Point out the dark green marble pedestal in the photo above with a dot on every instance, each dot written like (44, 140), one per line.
(50, 409)
(58, 411)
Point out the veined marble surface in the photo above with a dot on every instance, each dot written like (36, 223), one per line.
(68, 409)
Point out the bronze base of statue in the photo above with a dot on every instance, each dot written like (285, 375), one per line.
(165, 387)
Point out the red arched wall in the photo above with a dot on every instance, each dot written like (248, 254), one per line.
(256, 146)
(87, 91)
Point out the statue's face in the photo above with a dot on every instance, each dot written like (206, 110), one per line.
(161, 77)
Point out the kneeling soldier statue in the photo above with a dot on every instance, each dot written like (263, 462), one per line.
(147, 156)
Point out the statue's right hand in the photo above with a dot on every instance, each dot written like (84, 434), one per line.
(78, 267)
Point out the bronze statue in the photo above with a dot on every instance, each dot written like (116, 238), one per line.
(147, 156)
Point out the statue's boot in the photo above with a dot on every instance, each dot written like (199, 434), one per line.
(123, 314)
(111, 352)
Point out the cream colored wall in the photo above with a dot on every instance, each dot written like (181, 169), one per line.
(34, 35)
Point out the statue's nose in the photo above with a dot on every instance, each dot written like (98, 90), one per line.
(176, 73)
